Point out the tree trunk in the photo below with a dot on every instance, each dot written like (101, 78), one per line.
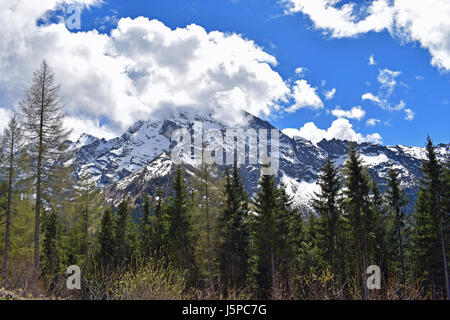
(38, 182)
(402, 259)
(8, 210)
(86, 245)
(444, 256)
(208, 239)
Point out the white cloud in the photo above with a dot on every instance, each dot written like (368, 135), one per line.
(142, 70)
(330, 94)
(354, 113)
(301, 70)
(304, 96)
(372, 60)
(409, 20)
(409, 114)
(5, 115)
(339, 129)
(372, 122)
(387, 80)
(371, 97)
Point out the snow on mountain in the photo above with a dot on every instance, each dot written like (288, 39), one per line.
(140, 159)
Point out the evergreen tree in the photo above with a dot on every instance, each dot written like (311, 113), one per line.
(330, 219)
(87, 206)
(396, 201)
(50, 252)
(263, 236)
(381, 247)
(284, 253)
(106, 239)
(233, 232)
(432, 225)
(159, 226)
(124, 236)
(43, 122)
(179, 236)
(359, 216)
(11, 145)
(146, 228)
(206, 192)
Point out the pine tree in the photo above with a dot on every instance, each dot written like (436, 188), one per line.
(124, 236)
(206, 196)
(43, 122)
(263, 236)
(396, 201)
(159, 223)
(179, 236)
(431, 225)
(11, 145)
(233, 233)
(87, 205)
(330, 219)
(359, 215)
(284, 253)
(106, 240)
(146, 228)
(381, 244)
(50, 252)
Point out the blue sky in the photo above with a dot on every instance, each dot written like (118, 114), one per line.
(410, 97)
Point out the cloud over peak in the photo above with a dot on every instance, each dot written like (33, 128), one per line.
(144, 69)
(340, 129)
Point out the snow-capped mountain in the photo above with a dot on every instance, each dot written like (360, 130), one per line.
(140, 159)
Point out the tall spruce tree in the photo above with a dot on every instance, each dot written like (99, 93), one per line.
(263, 236)
(159, 222)
(11, 145)
(381, 247)
(396, 201)
(106, 240)
(432, 225)
(179, 235)
(206, 192)
(43, 123)
(87, 206)
(124, 236)
(50, 253)
(358, 214)
(284, 250)
(146, 228)
(233, 232)
(330, 219)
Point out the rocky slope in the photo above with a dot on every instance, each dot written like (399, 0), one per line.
(139, 160)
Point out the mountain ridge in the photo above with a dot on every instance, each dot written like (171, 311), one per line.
(141, 155)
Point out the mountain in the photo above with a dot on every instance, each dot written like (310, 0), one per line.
(140, 159)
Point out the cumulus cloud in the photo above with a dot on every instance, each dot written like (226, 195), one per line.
(409, 114)
(5, 114)
(142, 70)
(330, 94)
(408, 20)
(301, 71)
(372, 122)
(371, 97)
(339, 129)
(304, 96)
(354, 113)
